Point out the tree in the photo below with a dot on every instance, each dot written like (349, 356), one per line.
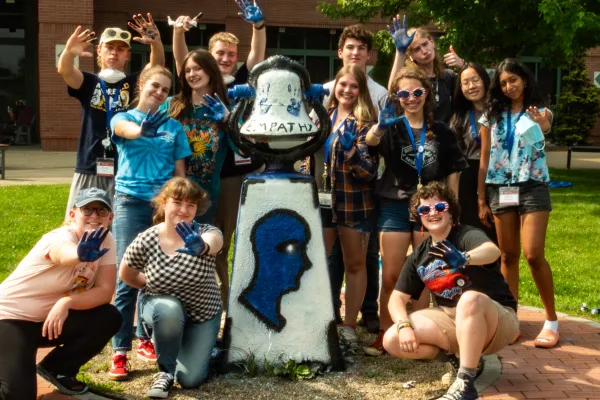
(490, 30)
(578, 106)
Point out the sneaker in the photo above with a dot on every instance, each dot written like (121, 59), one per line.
(145, 351)
(66, 384)
(371, 322)
(163, 381)
(349, 335)
(463, 388)
(376, 349)
(454, 363)
(118, 370)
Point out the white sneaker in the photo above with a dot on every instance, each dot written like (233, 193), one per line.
(348, 334)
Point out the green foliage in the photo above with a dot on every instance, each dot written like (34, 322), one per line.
(487, 31)
(249, 365)
(578, 106)
(294, 371)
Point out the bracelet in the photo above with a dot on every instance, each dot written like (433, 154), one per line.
(262, 26)
(403, 323)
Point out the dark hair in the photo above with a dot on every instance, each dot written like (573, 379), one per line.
(442, 192)
(496, 102)
(179, 188)
(182, 102)
(460, 118)
(358, 32)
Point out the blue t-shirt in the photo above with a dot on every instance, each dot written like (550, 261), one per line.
(145, 164)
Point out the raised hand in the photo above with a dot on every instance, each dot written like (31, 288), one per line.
(217, 111)
(152, 122)
(447, 252)
(194, 245)
(147, 29)
(88, 248)
(184, 22)
(79, 41)
(387, 115)
(452, 59)
(348, 135)
(252, 12)
(241, 92)
(541, 117)
(315, 92)
(399, 33)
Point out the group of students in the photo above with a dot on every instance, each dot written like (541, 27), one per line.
(433, 137)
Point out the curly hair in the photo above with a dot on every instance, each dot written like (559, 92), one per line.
(358, 32)
(439, 190)
(179, 188)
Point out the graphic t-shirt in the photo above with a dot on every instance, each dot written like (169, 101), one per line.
(448, 284)
(93, 120)
(189, 278)
(441, 157)
(30, 292)
(146, 164)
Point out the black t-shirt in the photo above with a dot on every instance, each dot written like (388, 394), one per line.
(229, 168)
(422, 269)
(441, 157)
(443, 90)
(93, 119)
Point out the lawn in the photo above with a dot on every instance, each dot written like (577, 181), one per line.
(572, 244)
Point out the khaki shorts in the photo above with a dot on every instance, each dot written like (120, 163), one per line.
(444, 318)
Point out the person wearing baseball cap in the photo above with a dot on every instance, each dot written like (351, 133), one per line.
(59, 296)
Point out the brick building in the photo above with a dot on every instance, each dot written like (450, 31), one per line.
(32, 32)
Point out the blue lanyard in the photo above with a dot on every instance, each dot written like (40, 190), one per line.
(474, 128)
(331, 137)
(419, 151)
(510, 130)
(110, 103)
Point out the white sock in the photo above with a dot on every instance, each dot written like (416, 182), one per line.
(552, 325)
(121, 352)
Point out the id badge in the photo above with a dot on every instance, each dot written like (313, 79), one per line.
(239, 160)
(509, 196)
(105, 167)
(325, 200)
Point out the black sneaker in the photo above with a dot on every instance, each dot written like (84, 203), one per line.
(66, 384)
(371, 322)
(163, 382)
(463, 388)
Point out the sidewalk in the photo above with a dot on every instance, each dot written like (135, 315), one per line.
(569, 371)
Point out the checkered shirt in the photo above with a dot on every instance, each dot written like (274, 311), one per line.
(189, 278)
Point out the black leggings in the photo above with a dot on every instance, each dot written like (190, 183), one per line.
(84, 334)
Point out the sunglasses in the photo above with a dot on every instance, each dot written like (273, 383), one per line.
(111, 33)
(405, 94)
(426, 209)
(101, 211)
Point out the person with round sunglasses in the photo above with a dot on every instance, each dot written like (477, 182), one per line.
(472, 85)
(514, 176)
(416, 150)
(475, 312)
(59, 297)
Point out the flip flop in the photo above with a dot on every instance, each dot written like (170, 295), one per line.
(546, 339)
(517, 337)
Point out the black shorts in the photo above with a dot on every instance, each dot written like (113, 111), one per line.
(533, 196)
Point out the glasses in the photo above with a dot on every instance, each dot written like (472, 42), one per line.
(426, 209)
(475, 81)
(111, 33)
(101, 211)
(405, 94)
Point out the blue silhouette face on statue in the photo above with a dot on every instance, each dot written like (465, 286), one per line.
(279, 243)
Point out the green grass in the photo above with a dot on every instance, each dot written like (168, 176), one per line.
(572, 245)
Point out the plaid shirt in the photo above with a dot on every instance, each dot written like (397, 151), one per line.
(352, 180)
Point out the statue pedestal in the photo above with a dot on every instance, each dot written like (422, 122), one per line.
(280, 305)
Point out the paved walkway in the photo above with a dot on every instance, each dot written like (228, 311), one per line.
(569, 371)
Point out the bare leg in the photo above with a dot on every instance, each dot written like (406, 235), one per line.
(329, 236)
(354, 249)
(431, 339)
(507, 228)
(393, 248)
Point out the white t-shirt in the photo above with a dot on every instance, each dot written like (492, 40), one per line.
(30, 292)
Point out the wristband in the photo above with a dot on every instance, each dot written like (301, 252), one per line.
(403, 323)
(264, 24)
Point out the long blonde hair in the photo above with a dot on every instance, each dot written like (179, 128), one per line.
(364, 110)
(179, 188)
(423, 33)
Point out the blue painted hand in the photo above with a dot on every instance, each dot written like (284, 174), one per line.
(348, 135)
(316, 92)
(294, 107)
(387, 115)
(400, 35)
(216, 109)
(241, 92)
(252, 12)
(152, 122)
(194, 245)
(88, 248)
(446, 251)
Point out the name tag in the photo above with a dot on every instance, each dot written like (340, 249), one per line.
(239, 160)
(325, 200)
(105, 167)
(509, 196)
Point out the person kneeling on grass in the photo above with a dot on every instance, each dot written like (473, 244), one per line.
(476, 312)
(58, 296)
(174, 263)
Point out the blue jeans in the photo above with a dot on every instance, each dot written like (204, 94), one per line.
(132, 216)
(183, 348)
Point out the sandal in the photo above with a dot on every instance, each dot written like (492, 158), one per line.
(546, 339)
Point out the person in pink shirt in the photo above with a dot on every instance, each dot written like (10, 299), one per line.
(59, 296)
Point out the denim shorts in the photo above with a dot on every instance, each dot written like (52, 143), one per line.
(533, 196)
(395, 217)
(364, 226)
